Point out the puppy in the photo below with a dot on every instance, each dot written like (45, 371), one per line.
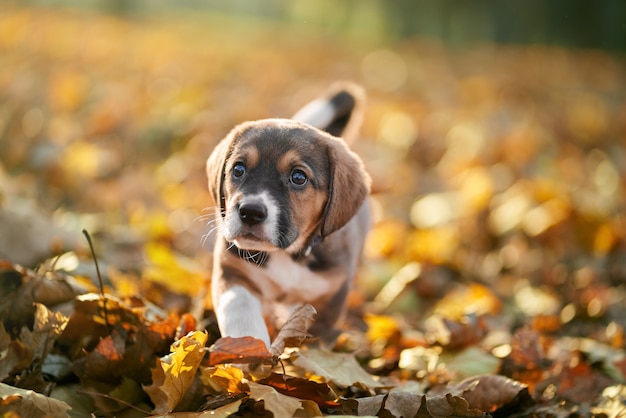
(291, 220)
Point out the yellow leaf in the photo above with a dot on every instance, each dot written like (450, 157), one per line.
(175, 272)
(223, 377)
(174, 373)
(381, 327)
(471, 299)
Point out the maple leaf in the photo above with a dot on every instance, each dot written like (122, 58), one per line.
(174, 373)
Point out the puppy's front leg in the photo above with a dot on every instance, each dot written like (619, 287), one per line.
(239, 312)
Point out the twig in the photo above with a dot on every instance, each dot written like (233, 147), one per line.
(104, 299)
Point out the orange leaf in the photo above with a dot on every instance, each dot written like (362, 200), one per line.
(242, 350)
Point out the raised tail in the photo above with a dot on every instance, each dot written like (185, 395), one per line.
(339, 111)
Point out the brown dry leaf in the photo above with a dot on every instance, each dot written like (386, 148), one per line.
(280, 405)
(26, 353)
(448, 406)
(579, 381)
(527, 361)
(487, 393)
(405, 404)
(29, 403)
(15, 355)
(296, 387)
(368, 406)
(174, 373)
(340, 368)
(242, 350)
(456, 334)
(294, 331)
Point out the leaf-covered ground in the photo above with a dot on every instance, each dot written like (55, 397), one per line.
(494, 281)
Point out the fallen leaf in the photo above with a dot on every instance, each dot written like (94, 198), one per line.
(472, 361)
(486, 393)
(448, 406)
(300, 388)
(280, 405)
(242, 350)
(174, 373)
(29, 404)
(405, 404)
(294, 331)
(340, 368)
(223, 378)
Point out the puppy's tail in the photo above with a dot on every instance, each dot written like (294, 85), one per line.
(338, 112)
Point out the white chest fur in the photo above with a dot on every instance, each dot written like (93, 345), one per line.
(286, 285)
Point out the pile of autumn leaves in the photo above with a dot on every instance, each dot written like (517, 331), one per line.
(109, 356)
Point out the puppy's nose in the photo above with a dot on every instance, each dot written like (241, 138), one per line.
(252, 213)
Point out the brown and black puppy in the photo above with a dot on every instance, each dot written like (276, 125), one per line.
(292, 217)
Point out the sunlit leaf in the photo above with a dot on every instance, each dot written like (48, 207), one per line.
(174, 373)
(471, 299)
(223, 378)
(173, 271)
(340, 368)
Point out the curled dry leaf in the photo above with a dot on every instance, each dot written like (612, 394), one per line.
(294, 331)
(486, 393)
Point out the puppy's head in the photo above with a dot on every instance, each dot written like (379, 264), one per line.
(280, 183)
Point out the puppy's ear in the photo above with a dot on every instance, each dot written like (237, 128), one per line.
(215, 170)
(349, 187)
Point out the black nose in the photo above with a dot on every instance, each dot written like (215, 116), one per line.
(252, 213)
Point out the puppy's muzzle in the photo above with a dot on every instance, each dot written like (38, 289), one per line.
(252, 213)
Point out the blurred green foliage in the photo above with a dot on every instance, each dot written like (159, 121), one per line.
(575, 23)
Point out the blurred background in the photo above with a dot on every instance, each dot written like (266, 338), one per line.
(494, 134)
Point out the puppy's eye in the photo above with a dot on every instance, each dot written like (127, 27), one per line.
(298, 177)
(239, 170)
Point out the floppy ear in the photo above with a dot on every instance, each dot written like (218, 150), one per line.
(349, 186)
(215, 169)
